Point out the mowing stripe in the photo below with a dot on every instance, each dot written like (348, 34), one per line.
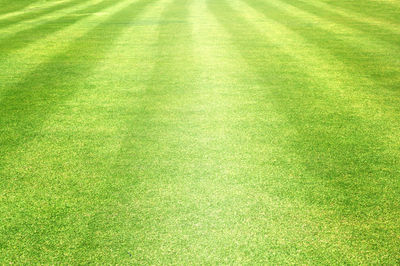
(343, 40)
(378, 10)
(30, 8)
(357, 18)
(12, 10)
(325, 67)
(341, 87)
(38, 32)
(150, 204)
(40, 92)
(25, 26)
(377, 33)
(20, 53)
(200, 132)
(97, 231)
(38, 13)
(320, 140)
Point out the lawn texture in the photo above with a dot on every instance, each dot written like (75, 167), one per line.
(200, 132)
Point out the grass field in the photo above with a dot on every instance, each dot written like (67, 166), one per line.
(200, 132)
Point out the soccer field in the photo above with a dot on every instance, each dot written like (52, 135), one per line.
(199, 132)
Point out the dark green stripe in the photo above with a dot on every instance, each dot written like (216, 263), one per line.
(376, 9)
(362, 63)
(27, 104)
(37, 14)
(333, 154)
(369, 30)
(26, 37)
(7, 6)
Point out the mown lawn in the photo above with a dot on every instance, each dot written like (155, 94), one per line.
(200, 132)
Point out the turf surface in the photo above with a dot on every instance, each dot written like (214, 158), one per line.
(199, 132)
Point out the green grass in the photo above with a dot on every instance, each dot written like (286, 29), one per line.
(200, 132)
(8, 6)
